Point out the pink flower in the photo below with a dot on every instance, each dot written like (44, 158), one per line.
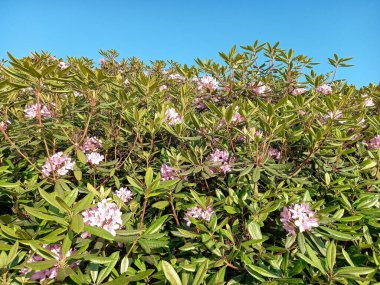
(63, 65)
(167, 172)
(374, 143)
(124, 194)
(324, 89)
(94, 158)
(102, 61)
(172, 117)
(274, 153)
(220, 160)
(3, 126)
(176, 76)
(58, 163)
(163, 87)
(31, 111)
(298, 91)
(260, 89)
(207, 83)
(77, 94)
(368, 101)
(298, 216)
(91, 144)
(198, 213)
(105, 215)
(51, 273)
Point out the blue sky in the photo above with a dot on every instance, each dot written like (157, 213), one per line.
(184, 30)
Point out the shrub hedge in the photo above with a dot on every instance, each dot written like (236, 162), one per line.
(255, 170)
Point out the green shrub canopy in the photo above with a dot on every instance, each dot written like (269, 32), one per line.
(254, 171)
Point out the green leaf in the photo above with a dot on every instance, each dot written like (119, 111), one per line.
(170, 274)
(351, 270)
(156, 226)
(124, 264)
(254, 230)
(262, 271)
(77, 224)
(43, 216)
(81, 156)
(201, 273)
(99, 232)
(331, 255)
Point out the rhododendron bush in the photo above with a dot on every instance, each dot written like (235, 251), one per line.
(256, 170)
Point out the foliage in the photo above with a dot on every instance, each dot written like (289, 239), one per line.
(193, 167)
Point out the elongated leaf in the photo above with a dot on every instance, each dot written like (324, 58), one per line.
(170, 274)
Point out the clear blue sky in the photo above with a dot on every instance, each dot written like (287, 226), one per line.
(184, 30)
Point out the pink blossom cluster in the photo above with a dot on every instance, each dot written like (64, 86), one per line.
(63, 65)
(102, 61)
(299, 216)
(105, 215)
(51, 273)
(198, 213)
(324, 89)
(58, 163)
(172, 117)
(94, 158)
(91, 144)
(274, 153)
(124, 194)
(333, 116)
(207, 83)
(3, 125)
(90, 148)
(31, 111)
(77, 94)
(374, 143)
(368, 101)
(176, 76)
(221, 160)
(260, 89)
(298, 91)
(168, 173)
(163, 87)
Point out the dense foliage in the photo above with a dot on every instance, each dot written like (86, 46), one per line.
(254, 171)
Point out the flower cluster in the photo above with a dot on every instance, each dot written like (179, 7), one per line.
(324, 89)
(168, 173)
(207, 83)
(198, 213)
(260, 89)
(91, 144)
(50, 273)
(124, 194)
(172, 117)
(176, 76)
(77, 94)
(105, 215)
(90, 147)
(63, 65)
(163, 87)
(3, 126)
(58, 163)
(298, 216)
(221, 160)
(274, 153)
(368, 101)
(374, 143)
(31, 111)
(298, 91)
(94, 158)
